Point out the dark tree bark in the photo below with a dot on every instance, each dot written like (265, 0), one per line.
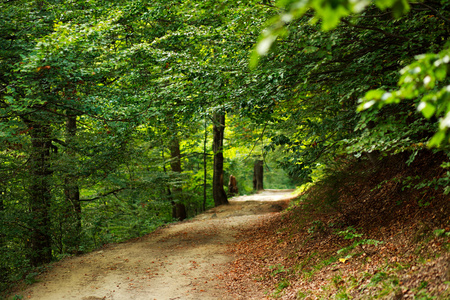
(72, 192)
(178, 209)
(3, 266)
(258, 176)
(219, 195)
(40, 194)
(205, 141)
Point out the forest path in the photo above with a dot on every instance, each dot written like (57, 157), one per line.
(185, 260)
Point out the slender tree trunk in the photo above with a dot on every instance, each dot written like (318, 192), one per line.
(205, 141)
(258, 175)
(169, 192)
(219, 195)
(3, 263)
(40, 194)
(178, 208)
(72, 192)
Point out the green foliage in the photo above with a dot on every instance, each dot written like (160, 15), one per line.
(441, 232)
(137, 75)
(351, 234)
(281, 286)
(92, 61)
(424, 81)
(283, 283)
(329, 13)
(326, 73)
(320, 79)
(277, 269)
(377, 278)
(317, 226)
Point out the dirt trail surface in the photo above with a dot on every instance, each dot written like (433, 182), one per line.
(185, 260)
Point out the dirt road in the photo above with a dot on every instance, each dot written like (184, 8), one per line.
(185, 260)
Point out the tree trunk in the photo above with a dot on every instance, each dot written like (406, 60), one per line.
(72, 192)
(40, 194)
(205, 141)
(3, 262)
(258, 175)
(219, 195)
(178, 208)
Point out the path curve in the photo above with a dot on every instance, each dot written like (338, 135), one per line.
(184, 260)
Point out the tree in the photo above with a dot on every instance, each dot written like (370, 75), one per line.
(40, 193)
(56, 69)
(15, 118)
(71, 189)
(425, 82)
(178, 208)
(258, 175)
(320, 76)
(219, 195)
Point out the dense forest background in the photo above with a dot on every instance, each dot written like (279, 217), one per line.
(118, 117)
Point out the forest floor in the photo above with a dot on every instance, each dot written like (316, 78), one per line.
(185, 260)
(363, 232)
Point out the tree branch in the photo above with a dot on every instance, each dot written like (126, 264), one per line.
(375, 29)
(256, 142)
(438, 14)
(103, 195)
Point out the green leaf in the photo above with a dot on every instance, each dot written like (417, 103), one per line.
(437, 139)
(427, 109)
(366, 105)
(264, 45)
(9, 99)
(441, 72)
(374, 94)
(439, 232)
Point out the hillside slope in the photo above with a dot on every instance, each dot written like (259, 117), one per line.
(364, 233)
